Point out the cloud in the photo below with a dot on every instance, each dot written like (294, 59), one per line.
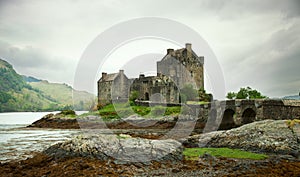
(255, 41)
(233, 9)
(36, 62)
(272, 66)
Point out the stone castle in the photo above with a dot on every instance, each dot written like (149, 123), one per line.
(175, 70)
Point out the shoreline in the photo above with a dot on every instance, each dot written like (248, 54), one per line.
(136, 127)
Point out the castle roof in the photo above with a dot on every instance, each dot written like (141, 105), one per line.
(109, 77)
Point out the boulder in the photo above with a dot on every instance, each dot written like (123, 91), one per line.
(272, 136)
(118, 148)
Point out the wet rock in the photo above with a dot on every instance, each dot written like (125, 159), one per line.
(122, 150)
(62, 120)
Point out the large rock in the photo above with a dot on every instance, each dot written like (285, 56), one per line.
(273, 136)
(63, 120)
(118, 148)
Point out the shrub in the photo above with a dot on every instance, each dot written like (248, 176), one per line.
(173, 110)
(141, 110)
(133, 96)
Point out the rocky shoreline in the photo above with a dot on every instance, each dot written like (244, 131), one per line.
(93, 154)
(47, 165)
(131, 125)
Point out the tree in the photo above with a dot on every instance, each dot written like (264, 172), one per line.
(203, 96)
(245, 93)
(231, 95)
(4, 97)
(242, 94)
(254, 94)
(188, 93)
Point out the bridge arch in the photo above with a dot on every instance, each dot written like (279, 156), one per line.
(227, 120)
(248, 116)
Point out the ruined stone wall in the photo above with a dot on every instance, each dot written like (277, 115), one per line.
(142, 86)
(158, 88)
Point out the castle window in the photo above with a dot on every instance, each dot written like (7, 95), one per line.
(192, 74)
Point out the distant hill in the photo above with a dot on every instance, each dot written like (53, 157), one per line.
(293, 97)
(31, 79)
(18, 95)
(64, 93)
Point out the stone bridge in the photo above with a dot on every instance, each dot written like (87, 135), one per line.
(232, 113)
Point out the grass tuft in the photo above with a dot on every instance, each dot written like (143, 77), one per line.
(194, 153)
(121, 110)
(291, 123)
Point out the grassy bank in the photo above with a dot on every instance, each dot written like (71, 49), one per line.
(194, 153)
(115, 111)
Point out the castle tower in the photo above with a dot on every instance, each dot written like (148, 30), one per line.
(183, 66)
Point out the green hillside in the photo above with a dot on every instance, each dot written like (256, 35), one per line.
(9, 79)
(18, 95)
(65, 94)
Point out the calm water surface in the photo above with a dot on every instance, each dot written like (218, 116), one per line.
(18, 142)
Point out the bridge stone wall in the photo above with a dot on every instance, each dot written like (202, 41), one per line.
(232, 113)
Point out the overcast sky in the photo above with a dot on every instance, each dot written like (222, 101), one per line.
(257, 43)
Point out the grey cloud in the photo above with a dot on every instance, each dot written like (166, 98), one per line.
(225, 10)
(36, 62)
(272, 67)
(27, 57)
(241, 8)
(268, 62)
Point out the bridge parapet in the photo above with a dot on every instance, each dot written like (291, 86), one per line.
(291, 102)
(271, 102)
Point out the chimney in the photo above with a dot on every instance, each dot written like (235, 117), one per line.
(142, 76)
(170, 51)
(121, 71)
(104, 75)
(188, 47)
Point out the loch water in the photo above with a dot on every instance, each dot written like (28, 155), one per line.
(18, 142)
